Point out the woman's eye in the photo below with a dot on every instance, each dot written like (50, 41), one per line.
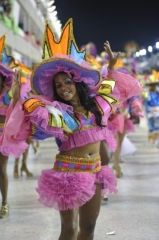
(58, 85)
(68, 81)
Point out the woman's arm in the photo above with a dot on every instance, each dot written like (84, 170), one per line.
(48, 117)
(126, 86)
(104, 154)
(113, 57)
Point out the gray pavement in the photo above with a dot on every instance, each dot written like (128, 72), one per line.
(132, 213)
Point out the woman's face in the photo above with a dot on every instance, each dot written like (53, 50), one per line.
(65, 87)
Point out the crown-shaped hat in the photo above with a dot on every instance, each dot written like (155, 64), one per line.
(62, 56)
(66, 46)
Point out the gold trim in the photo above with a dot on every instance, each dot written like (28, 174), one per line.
(92, 161)
(97, 169)
(74, 159)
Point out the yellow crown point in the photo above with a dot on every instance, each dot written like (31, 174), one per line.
(51, 47)
(2, 43)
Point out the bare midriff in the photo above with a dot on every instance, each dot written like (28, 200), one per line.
(89, 150)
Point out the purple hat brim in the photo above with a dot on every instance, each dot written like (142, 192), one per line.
(8, 74)
(43, 74)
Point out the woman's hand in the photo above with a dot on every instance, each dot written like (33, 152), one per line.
(113, 57)
(15, 89)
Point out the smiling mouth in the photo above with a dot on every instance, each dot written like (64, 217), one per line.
(67, 94)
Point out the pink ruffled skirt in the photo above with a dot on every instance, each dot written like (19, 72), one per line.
(121, 124)
(68, 190)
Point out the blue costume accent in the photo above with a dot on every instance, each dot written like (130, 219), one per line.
(40, 134)
(70, 121)
(6, 99)
(152, 111)
(77, 55)
(6, 59)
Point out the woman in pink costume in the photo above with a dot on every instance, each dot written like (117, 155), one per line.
(126, 112)
(25, 89)
(6, 78)
(74, 108)
(122, 121)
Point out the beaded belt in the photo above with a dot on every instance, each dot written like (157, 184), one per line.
(67, 163)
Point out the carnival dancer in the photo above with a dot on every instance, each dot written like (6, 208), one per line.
(151, 104)
(128, 109)
(122, 122)
(25, 90)
(123, 117)
(6, 79)
(74, 108)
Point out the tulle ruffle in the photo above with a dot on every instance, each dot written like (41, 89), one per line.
(107, 179)
(14, 148)
(116, 123)
(126, 86)
(16, 132)
(129, 125)
(82, 138)
(64, 191)
(59, 105)
(40, 118)
(136, 107)
(120, 123)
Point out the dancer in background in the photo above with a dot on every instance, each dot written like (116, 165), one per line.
(151, 104)
(6, 79)
(25, 91)
(129, 107)
(122, 121)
